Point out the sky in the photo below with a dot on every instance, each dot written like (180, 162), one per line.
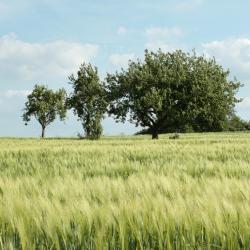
(45, 41)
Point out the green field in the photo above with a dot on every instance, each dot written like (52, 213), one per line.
(126, 193)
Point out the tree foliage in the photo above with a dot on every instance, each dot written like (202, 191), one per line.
(235, 123)
(172, 90)
(88, 100)
(45, 105)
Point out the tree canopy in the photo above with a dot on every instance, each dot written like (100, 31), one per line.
(88, 100)
(172, 89)
(45, 105)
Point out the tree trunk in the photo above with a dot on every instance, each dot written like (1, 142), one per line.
(155, 134)
(43, 132)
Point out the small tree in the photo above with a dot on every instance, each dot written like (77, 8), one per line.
(171, 90)
(45, 105)
(88, 100)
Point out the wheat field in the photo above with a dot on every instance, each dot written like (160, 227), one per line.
(126, 193)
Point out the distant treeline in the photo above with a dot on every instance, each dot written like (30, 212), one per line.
(165, 92)
(233, 124)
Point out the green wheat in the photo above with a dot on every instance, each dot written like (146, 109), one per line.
(126, 193)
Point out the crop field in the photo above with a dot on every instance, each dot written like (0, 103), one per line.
(126, 193)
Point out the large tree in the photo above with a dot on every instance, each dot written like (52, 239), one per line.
(45, 105)
(172, 89)
(88, 100)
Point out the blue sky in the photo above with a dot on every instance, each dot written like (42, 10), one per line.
(44, 41)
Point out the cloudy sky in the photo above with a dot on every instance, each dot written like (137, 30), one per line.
(44, 41)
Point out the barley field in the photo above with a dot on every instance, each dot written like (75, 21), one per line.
(126, 193)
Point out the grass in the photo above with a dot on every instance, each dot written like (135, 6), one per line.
(126, 193)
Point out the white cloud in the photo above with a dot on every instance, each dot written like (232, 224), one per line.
(245, 104)
(13, 96)
(15, 93)
(32, 61)
(231, 53)
(121, 31)
(165, 38)
(121, 60)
